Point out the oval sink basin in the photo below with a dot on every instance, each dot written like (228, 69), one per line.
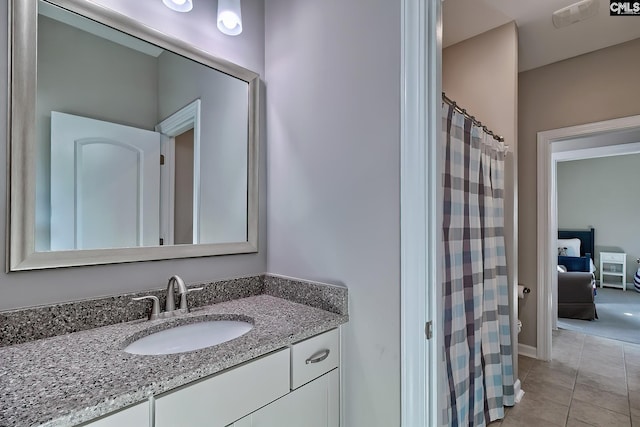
(193, 336)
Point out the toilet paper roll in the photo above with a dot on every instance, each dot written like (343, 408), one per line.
(522, 291)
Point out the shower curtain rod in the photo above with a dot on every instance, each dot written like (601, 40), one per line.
(449, 101)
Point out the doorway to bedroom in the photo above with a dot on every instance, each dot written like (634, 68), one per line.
(560, 152)
(599, 193)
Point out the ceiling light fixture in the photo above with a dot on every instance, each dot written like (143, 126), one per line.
(179, 5)
(229, 17)
(576, 12)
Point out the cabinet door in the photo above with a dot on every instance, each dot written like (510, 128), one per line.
(217, 401)
(134, 416)
(313, 405)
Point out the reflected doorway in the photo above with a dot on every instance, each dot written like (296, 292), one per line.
(183, 200)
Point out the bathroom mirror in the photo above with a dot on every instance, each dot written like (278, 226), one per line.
(125, 144)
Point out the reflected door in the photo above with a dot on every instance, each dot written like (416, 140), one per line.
(105, 184)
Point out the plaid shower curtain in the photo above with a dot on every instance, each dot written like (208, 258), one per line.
(478, 348)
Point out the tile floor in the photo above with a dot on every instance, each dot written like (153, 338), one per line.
(591, 381)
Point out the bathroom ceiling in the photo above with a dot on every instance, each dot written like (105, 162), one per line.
(539, 42)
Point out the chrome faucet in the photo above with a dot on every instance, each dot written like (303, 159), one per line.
(170, 306)
(182, 291)
(170, 309)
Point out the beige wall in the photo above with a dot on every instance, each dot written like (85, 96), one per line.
(481, 75)
(597, 86)
(603, 193)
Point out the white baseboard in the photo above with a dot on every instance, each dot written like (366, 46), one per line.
(527, 350)
(517, 389)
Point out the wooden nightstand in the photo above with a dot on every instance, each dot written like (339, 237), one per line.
(613, 264)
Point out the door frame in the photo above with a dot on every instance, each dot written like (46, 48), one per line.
(421, 199)
(186, 118)
(557, 145)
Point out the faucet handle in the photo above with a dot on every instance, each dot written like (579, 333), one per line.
(155, 308)
(183, 298)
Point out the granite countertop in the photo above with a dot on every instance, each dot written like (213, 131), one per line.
(69, 379)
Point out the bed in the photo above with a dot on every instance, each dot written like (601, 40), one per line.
(573, 261)
(576, 286)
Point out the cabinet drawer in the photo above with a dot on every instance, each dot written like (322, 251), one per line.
(219, 400)
(314, 357)
(612, 257)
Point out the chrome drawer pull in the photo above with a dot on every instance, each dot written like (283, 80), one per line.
(318, 357)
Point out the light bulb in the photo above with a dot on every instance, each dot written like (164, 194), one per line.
(179, 5)
(229, 17)
(229, 20)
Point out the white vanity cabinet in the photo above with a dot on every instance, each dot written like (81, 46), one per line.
(314, 400)
(295, 386)
(137, 415)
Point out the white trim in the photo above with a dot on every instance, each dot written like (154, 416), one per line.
(544, 252)
(568, 143)
(553, 251)
(186, 118)
(421, 205)
(167, 189)
(528, 351)
(597, 152)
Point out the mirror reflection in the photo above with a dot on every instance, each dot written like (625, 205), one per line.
(135, 145)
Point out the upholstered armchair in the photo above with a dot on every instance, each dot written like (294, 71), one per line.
(575, 295)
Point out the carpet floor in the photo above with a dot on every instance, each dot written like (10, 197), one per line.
(618, 316)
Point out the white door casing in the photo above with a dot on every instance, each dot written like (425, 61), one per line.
(421, 199)
(105, 184)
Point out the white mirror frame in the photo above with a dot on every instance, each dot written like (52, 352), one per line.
(21, 254)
